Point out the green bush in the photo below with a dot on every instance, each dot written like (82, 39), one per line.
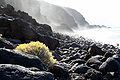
(39, 49)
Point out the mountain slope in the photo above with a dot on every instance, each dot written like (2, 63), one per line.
(77, 16)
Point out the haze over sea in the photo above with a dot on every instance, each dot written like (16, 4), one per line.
(100, 12)
(96, 12)
(104, 35)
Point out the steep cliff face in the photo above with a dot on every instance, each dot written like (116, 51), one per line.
(60, 18)
(78, 17)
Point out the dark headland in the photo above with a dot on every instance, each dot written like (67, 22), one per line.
(78, 58)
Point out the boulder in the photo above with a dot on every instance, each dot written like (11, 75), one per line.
(17, 28)
(108, 54)
(95, 50)
(60, 71)
(110, 65)
(51, 42)
(16, 72)
(81, 69)
(12, 57)
(117, 57)
(75, 56)
(22, 30)
(93, 74)
(94, 62)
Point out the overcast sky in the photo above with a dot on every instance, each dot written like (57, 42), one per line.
(106, 12)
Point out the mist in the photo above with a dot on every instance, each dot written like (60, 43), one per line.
(61, 19)
(66, 20)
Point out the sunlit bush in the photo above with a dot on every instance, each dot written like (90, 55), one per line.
(39, 49)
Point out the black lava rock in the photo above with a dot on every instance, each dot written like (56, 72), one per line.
(14, 25)
(60, 72)
(11, 57)
(75, 56)
(81, 69)
(110, 65)
(93, 74)
(94, 62)
(6, 44)
(16, 72)
(79, 61)
(95, 50)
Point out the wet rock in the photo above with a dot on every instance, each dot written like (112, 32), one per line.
(14, 41)
(6, 44)
(40, 28)
(73, 68)
(51, 42)
(94, 62)
(17, 28)
(34, 69)
(11, 57)
(21, 30)
(74, 57)
(74, 45)
(81, 69)
(94, 50)
(110, 65)
(79, 61)
(117, 57)
(108, 76)
(108, 54)
(16, 72)
(75, 76)
(60, 72)
(19, 25)
(93, 74)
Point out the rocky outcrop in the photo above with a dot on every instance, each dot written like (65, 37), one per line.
(16, 72)
(10, 12)
(6, 44)
(11, 57)
(12, 25)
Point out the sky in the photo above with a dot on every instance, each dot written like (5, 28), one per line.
(99, 12)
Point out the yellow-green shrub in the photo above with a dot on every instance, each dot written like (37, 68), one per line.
(39, 49)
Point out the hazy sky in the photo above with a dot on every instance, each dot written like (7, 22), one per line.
(106, 12)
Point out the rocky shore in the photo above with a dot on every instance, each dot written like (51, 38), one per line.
(78, 58)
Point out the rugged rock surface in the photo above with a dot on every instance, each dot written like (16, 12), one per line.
(16, 72)
(78, 58)
(6, 44)
(11, 57)
(89, 60)
(13, 26)
(60, 72)
(81, 69)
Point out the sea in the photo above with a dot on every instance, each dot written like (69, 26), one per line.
(102, 35)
